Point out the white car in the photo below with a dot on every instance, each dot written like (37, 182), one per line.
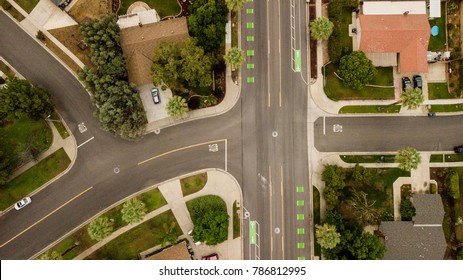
(22, 203)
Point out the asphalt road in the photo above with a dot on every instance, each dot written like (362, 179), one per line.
(372, 134)
(275, 132)
(92, 184)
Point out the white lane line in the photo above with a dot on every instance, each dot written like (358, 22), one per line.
(85, 142)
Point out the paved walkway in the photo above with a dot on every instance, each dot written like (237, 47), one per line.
(218, 183)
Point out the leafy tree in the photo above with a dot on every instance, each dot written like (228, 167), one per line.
(363, 208)
(459, 255)
(22, 98)
(354, 244)
(177, 107)
(119, 106)
(407, 210)
(51, 255)
(235, 5)
(207, 23)
(179, 64)
(234, 58)
(8, 162)
(408, 158)
(133, 211)
(100, 228)
(212, 228)
(368, 247)
(453, 185)
(321, 28)
(412, 98)
(327, 236)
(334, 177)
(361, 174)
(356, 70)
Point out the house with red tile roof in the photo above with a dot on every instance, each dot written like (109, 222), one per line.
(395, 39)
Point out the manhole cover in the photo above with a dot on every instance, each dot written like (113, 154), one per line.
(276, 230)
(116, 170)
(274, 134)
(157, 131)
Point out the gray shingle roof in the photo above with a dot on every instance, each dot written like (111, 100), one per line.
(429, 209)
(404, 241)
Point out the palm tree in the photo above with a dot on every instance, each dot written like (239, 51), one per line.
(408, 158)
(100, 228)
(321, 28)
(363, 208)
(133, 211)
(177, 107)
(234, 5)
(234, 58)
(412, 98)
(168, 236)
(327, 236)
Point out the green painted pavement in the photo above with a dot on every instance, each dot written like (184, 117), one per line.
(252, 232)
(250, 52)
(298, 61)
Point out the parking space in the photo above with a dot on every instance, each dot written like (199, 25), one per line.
(154, 112)
(398, 83)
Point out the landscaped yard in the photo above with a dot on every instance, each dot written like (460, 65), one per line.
(86, 10)
(164, 8)
(70, 37)
(153, 200)
(128, 245)
(335, 89)
(193, 183)
(438, 91)
(447, 108)
(27, 5)
(365, 109)
(437, 43)
(33, 178)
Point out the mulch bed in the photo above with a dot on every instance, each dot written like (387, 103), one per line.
(184, 4)
(313, 46)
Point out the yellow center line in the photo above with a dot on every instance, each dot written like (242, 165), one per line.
(180, 149)
(51, 213)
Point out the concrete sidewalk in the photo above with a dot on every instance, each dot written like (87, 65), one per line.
(219, 183)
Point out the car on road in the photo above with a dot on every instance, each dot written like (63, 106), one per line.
(196, 242)
(417, 82)
(22, 203)
(459, 149)
(155, 95)
(406, 83)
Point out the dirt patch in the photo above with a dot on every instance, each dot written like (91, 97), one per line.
(184, 4)
(88, 10)
(72, 38)
(62, 55)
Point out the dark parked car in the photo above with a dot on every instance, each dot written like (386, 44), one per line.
(406, 83)
(417, 82)
(155, 94)
(459, 149)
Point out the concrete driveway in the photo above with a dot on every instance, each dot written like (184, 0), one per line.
(154, 112)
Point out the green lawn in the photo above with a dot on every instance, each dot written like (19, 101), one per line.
(436, 158)
(4, 68)
(368, 158)
(33, 178)
(316, 218)
(335, 89)
(19, 133)
(437, 43)
(447, 108)
(153, 199)
(59, 126)
(365, 109)
(27, 5)
(128, 245)
(164, 8)
(193, 183)
(439, 91)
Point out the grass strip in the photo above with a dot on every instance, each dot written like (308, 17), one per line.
(377, 109)
(368, 158)
(33, 178)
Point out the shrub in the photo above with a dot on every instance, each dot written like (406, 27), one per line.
(433, 188)
(453, 185)
(40, 36)
(407, 210)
